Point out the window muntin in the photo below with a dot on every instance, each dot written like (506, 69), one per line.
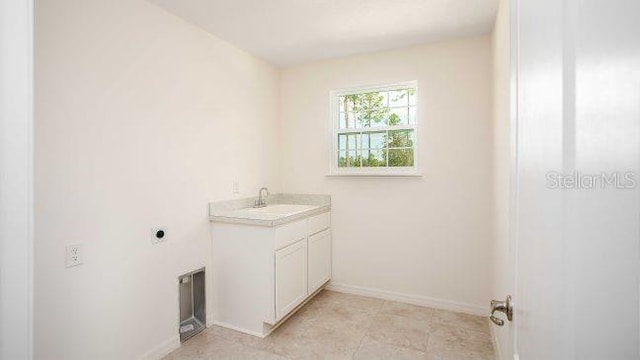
(375, 129)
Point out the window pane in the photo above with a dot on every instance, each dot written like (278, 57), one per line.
(348, 120)
(400, 157)
(400, 138)
(372, 100)
(363, 120)
(373, 109)
(385, 98)
(376, 118)
(348, 141)
(412, 96)
(373, 157)
(349, 103)
(398, 116)
(374, 140)
(367, 113)
(412, 115)
(398, 98)
(348, 161)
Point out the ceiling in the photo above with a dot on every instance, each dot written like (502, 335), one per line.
(287, 32)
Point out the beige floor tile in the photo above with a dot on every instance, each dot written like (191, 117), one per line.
(349, 318)
(459, 356)
(478, 323)
(333, 326)
(445, 339)
(399, 331)
(335, 299)
(422, 313)
(341, 339)
(186, 351)
(241, 353)
(374, 350)
(246, 353)
(203, 348)
(298, 323)
(320, 343)
(239, 337)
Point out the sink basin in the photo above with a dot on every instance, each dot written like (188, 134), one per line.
(273, 211)
(281, 209)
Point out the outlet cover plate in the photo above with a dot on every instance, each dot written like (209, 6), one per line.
(73, 255)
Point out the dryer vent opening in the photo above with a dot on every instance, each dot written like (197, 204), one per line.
(192, 303)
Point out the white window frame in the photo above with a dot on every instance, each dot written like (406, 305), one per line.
(334, 108)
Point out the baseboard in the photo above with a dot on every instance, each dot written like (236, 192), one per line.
(209, 320)
(284, 319)
(496, 345)
(409, 299)
(254, 333)
(273, 327)
(163, 349)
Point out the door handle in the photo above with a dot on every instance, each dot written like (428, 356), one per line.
(505, 307)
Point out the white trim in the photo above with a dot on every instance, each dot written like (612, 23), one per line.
(16, 182)
(377, 172)
(238, 329)
(369, 88)
(375, 129)
(334, 170)
(435, 303)
(496, 343)
(209, 320)
(274, 326)
(514, 193)
(374, 175)
(163, 349)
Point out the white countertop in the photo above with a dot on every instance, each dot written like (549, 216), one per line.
(280, 209)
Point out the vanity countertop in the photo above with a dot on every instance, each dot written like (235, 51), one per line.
(280, 209)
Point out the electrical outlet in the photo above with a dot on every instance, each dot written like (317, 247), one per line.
(158, 234)
(73, 255)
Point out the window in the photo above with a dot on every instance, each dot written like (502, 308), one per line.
(374, 130)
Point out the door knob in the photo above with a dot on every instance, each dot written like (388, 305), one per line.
(505, 307)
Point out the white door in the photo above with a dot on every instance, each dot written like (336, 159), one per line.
(16, 179)
(319, 259)
(291, 277)
(578, 234)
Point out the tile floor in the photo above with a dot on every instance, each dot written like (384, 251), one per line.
(340, 326)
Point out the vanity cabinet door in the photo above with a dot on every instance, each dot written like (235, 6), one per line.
(319, 259)
(291, 277)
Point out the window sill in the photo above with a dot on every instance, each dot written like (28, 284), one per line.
(376, 175)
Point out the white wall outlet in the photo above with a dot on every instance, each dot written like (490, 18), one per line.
(158, 234)
(236, 187)
(73, 255)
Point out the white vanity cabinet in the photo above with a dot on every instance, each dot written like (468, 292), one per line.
(318, 259)
(263, 273)
(291, 277)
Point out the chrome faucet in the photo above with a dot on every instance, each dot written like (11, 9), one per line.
(261, 202)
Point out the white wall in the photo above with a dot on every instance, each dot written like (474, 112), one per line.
(16, 179)
(141, 119)
(425, 238)
(503, 256)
